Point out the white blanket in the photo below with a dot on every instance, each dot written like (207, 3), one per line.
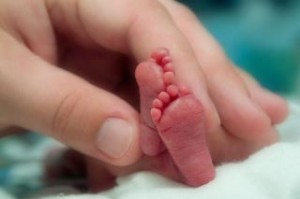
(272, 173)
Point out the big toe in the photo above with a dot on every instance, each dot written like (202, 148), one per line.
(149, 78)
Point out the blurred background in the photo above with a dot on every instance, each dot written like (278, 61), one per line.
(261, 36)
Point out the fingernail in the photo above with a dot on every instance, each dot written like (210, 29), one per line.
(114, 138)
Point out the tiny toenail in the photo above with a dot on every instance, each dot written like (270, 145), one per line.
(169, 67)
(166, 60)
(164, 96)
(172, 90)
(159, 54)
(157, 103)
(158, 57)
(169, 78)
(155, 114)
(115, 137)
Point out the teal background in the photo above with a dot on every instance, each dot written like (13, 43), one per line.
(261, 36)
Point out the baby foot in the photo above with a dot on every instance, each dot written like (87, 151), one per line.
(149, 79)
(172, 114)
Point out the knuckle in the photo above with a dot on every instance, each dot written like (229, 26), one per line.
(65, 113)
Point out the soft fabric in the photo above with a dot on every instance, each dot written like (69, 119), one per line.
(5, 195)
(273, 172)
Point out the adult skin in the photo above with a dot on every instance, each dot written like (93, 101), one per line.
(48, 49)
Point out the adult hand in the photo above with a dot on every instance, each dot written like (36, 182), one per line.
(41, 40)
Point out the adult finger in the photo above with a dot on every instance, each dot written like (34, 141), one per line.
(140, 27)
(274, 105)
(227, 89)
(39, 96)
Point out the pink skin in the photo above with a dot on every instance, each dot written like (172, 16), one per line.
(173, 133)
(172, 122)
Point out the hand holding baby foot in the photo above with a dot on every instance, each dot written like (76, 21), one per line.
(45, 61)
(138, 29)
(46, 56)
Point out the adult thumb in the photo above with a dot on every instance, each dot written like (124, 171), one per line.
(47, 99)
